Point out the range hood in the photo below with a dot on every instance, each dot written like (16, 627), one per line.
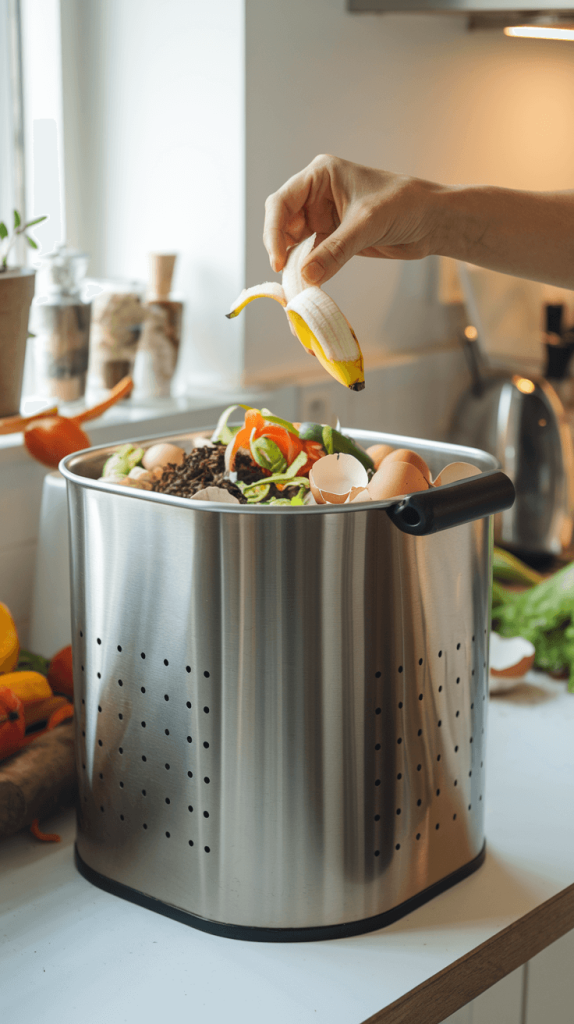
(537, 18)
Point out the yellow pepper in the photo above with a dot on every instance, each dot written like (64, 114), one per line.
(28, 686)
(9, 646)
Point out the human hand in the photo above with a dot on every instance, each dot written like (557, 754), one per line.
(354, 210)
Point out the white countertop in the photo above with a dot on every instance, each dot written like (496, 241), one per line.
(72, 954)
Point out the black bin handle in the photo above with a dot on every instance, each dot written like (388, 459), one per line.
(439, 508)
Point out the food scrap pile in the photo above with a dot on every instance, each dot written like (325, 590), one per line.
(270, 461)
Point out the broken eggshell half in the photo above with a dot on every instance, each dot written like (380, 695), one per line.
(395, 479)
(412, 458)
(336, 478)
(378, 452)
(510, 659)
(455, 471)
(215, 494)
(161, 455)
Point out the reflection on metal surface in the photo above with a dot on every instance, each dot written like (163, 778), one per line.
(281, 717)
(523, 384)
(522, 422)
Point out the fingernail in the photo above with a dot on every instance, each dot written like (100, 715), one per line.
(313, 272)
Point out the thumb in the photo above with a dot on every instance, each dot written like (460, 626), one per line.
(332, 253)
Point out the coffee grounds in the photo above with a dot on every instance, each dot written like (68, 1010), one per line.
(205, 467)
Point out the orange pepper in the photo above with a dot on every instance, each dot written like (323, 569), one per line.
(51, 438)
(12, 725)
(60, 672)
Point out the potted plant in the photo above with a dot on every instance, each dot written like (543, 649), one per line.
(16, 293)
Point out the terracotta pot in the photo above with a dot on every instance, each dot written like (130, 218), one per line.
(16, 293)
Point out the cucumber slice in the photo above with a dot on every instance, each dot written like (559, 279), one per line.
(311, 432)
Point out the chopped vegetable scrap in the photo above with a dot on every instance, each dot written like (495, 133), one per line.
(543, 614)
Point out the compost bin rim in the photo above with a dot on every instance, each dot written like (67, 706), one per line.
(369, 436)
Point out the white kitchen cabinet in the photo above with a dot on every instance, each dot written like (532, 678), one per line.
(500, 1004)
(462, 1016)
(551, 984)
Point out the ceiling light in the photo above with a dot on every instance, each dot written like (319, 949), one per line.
(540, 32)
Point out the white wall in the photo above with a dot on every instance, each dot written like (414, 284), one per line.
(182, 116)
(153, 108)
(413, 93)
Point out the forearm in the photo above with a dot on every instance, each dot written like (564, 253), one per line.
(527, 234)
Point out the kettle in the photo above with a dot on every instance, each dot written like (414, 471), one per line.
(521, 421)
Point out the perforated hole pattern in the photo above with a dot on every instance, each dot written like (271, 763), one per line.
(431, 781)
(440, 788)
(135, 731)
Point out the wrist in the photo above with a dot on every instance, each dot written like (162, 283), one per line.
(447, 221)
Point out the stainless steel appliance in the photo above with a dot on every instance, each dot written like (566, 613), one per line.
(521, 421)
(281, 711)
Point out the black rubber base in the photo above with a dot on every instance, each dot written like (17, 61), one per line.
(236, 931)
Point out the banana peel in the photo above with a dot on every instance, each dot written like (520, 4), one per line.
(314, 318)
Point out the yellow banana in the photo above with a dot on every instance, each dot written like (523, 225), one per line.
(314, 318)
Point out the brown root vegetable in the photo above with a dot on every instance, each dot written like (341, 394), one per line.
(38, 779)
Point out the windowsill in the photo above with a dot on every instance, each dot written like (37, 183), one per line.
(133, 418)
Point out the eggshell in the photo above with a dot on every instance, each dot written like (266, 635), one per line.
(406, 455)
(113, 478)
(162, 455)
(455, 471)
(139, 473)
(378, 452)
(510, 659)
(395, 478)
(359, 494)
(133, 481)
(201, 441)
(510, 656)
(333, 477)
(215, 494)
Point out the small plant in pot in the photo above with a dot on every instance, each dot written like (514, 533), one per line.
(16, 293)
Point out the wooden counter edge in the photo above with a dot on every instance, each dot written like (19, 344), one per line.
(466, 978)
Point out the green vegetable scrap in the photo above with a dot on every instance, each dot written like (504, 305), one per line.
(223, 433)
(334, 442)
(121, 462)
(507, 567)
(28, 662)
(545, 616)
(267, 454)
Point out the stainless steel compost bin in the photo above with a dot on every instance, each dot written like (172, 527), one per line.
(281, 711)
